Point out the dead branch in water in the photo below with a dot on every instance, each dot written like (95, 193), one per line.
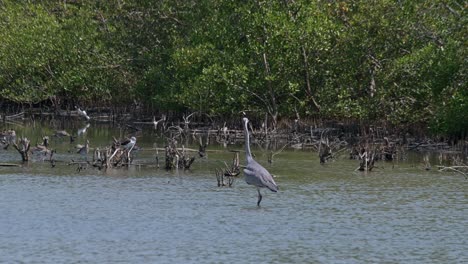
(177, 159)
(228, 173)
(463, 170)
(272, 155)
(220, 178)
(23, 149)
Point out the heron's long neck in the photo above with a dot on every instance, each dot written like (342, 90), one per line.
(248, 154)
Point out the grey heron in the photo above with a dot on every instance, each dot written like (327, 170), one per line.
(62, 133)
(256, 174)
(128, 144)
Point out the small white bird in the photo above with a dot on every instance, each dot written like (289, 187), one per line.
(155, 123)
(82, 113)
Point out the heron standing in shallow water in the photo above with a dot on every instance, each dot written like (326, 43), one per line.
(256, 174)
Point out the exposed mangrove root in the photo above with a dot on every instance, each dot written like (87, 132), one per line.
(234, 170)
(7, 138)
(117, 155)
(202, 148)
(157, 157)
(23, 148)
(176, 159)
(223, 135)
(229, 173)
(370, 150)
(329, 149)
(120, 157)
(15, 116)
(388, 150)
(367, 160)
(366, 153)
(325, 152)
(220, 178)
(100, 159)
(427, 163)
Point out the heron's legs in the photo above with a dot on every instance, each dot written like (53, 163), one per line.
(259, 197)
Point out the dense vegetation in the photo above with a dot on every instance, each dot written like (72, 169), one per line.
(397, 62)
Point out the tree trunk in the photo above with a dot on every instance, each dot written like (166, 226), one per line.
(307, 78)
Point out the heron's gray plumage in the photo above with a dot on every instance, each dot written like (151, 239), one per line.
(129, 143)
(256, 174)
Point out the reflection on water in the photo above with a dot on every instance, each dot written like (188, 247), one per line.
(322, 213)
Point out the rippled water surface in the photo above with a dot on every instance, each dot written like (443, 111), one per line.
(322, 214)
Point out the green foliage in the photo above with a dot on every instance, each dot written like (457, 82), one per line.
(399, 62)
(49, 52)
(27, 50)
(452, 117)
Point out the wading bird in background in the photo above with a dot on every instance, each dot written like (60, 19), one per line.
(155, 123)
(82, 113)
(129, 143)
(256, 174)
(62, 133)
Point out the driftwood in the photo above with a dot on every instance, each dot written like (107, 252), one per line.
(463, 170)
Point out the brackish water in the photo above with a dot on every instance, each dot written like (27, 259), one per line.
(398, 213)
